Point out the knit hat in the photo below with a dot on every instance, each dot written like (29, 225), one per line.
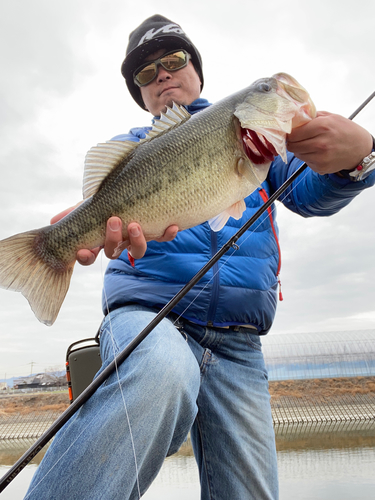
(156, 32)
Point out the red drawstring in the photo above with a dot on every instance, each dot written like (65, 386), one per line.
(280, 292)
(264, 197)
(131, 259)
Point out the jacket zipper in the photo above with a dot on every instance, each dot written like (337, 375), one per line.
(215, 283)
(264, 197)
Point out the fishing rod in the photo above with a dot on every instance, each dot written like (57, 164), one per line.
(89, 391)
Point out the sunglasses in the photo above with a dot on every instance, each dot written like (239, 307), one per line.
(171, 61)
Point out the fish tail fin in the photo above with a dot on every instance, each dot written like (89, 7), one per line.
(23, 269)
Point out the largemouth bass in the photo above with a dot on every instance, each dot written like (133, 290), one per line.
(189, 169)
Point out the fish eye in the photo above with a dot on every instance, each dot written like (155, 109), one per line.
(264, 87)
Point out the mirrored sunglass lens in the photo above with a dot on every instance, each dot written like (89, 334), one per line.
(146, 74)
(173, 61)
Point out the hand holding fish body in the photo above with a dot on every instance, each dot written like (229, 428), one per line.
(190, 169)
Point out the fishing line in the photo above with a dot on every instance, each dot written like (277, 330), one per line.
(115, 352)
(91, 422)
(106, 372)
(114, 349)
(58, 460)
(89, 391)
(238, 246)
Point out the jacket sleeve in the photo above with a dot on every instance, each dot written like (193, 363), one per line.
(135, 134)
(312, 194)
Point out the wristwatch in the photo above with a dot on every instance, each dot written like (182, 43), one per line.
(364, 169)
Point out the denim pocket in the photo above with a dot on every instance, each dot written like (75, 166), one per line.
(253, 341)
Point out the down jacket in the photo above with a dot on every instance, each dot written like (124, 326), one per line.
(241, 289)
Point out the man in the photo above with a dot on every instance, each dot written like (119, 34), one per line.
(202, 370)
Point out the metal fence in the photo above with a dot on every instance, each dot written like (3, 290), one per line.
(346, 408)
(32, 425)
(320, 355)
(317, 356)
(285, 410)
(288, 357)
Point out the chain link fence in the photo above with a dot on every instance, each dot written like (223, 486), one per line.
(345, 408)
(32, 425)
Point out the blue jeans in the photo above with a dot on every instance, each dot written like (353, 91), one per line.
(210, 382)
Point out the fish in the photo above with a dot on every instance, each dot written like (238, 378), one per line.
(188, 170)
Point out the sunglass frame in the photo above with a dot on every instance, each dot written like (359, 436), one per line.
(158, 62)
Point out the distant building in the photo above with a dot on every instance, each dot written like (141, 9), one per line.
(40, 381)
(3, 386)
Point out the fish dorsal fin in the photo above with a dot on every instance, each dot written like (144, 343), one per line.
(173, 117)
(235, 211)
(101, 160)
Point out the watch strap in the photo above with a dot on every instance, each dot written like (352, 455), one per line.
(364, 169)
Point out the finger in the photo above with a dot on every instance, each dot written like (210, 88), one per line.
(87, 257)
(138, 245)
(169, 234)
(306, 146)
(311, 129)
(113, 236)
(62, 214)
(303, 133)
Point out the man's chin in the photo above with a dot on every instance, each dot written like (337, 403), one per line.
(173, 98)
(170, 102)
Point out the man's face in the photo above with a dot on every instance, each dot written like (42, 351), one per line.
(182, 86)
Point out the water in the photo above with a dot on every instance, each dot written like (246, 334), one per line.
(317, 462)
(327, 462)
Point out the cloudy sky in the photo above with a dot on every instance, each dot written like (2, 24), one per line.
(61, 92)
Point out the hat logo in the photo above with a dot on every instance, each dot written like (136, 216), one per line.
(168, 28)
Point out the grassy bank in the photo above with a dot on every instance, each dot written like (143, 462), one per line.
(313, 389)
(39, 402)
(322, 389)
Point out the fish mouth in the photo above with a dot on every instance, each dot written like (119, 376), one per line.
(258, 149)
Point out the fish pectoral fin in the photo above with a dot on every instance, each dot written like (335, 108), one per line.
(101, 160)
(255, 174)
(23, 269)
(173, 117)
(236, 210)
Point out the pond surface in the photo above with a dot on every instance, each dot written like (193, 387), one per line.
(317, 462)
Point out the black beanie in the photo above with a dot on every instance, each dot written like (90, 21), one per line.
(155, 33)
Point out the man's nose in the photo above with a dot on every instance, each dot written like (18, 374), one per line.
(163, 74)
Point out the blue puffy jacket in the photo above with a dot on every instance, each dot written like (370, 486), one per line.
(242, 288)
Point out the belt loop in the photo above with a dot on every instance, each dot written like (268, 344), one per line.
(178, 323)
